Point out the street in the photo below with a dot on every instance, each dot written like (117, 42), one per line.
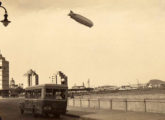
(9, 110)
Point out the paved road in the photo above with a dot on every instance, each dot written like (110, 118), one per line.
(9, 110)
(96, 114)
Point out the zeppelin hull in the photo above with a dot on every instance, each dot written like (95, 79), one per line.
(81, 19)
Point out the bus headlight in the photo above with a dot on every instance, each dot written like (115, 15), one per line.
(47, 108)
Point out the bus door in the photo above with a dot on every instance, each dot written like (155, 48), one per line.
(29, 100)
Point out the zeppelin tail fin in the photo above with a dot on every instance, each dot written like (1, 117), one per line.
(71, 11)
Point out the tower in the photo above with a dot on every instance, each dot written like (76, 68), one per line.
(4, 74)
(30, 74)
(88, 82)
(12, 83)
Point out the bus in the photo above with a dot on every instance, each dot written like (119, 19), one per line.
(46, 99)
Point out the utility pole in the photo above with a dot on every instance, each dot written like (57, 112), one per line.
(138, 83)
(88, 83)
(56, 79)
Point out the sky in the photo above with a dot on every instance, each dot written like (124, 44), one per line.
(125, 45)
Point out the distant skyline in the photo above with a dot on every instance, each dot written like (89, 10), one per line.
(126, 42)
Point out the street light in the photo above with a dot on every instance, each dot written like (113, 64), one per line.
(5, 22)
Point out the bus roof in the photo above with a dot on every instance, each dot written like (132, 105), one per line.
(47, 86)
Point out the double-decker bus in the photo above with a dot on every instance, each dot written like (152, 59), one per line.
(45, 99)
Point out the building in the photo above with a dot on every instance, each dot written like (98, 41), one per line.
(106, 88)
(79, 90)
(155, 83)
(12, 84)
(4, 76)
(78, 87)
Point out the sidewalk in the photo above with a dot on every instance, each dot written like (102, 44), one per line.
(93, 114)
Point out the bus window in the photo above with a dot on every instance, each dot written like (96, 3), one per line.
(60, 94)
(33, 93)
(37, 93)
(28, 94)
(49, 93)
(55, 93)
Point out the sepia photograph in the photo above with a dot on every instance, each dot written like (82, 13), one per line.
(82, 60)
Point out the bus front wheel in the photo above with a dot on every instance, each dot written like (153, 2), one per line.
(22, 111)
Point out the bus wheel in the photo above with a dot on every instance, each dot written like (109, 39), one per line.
(57, 115)
(22, 111)
(34, 113)
(45, 114)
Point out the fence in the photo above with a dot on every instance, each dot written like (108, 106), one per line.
(138, 105)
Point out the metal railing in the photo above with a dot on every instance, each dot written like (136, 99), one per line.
(138, 105)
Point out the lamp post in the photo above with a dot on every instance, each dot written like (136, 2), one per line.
(5, 21)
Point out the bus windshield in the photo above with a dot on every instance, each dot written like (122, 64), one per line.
(58, 94)
(33, 93)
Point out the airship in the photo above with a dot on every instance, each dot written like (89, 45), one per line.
(81, 19)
